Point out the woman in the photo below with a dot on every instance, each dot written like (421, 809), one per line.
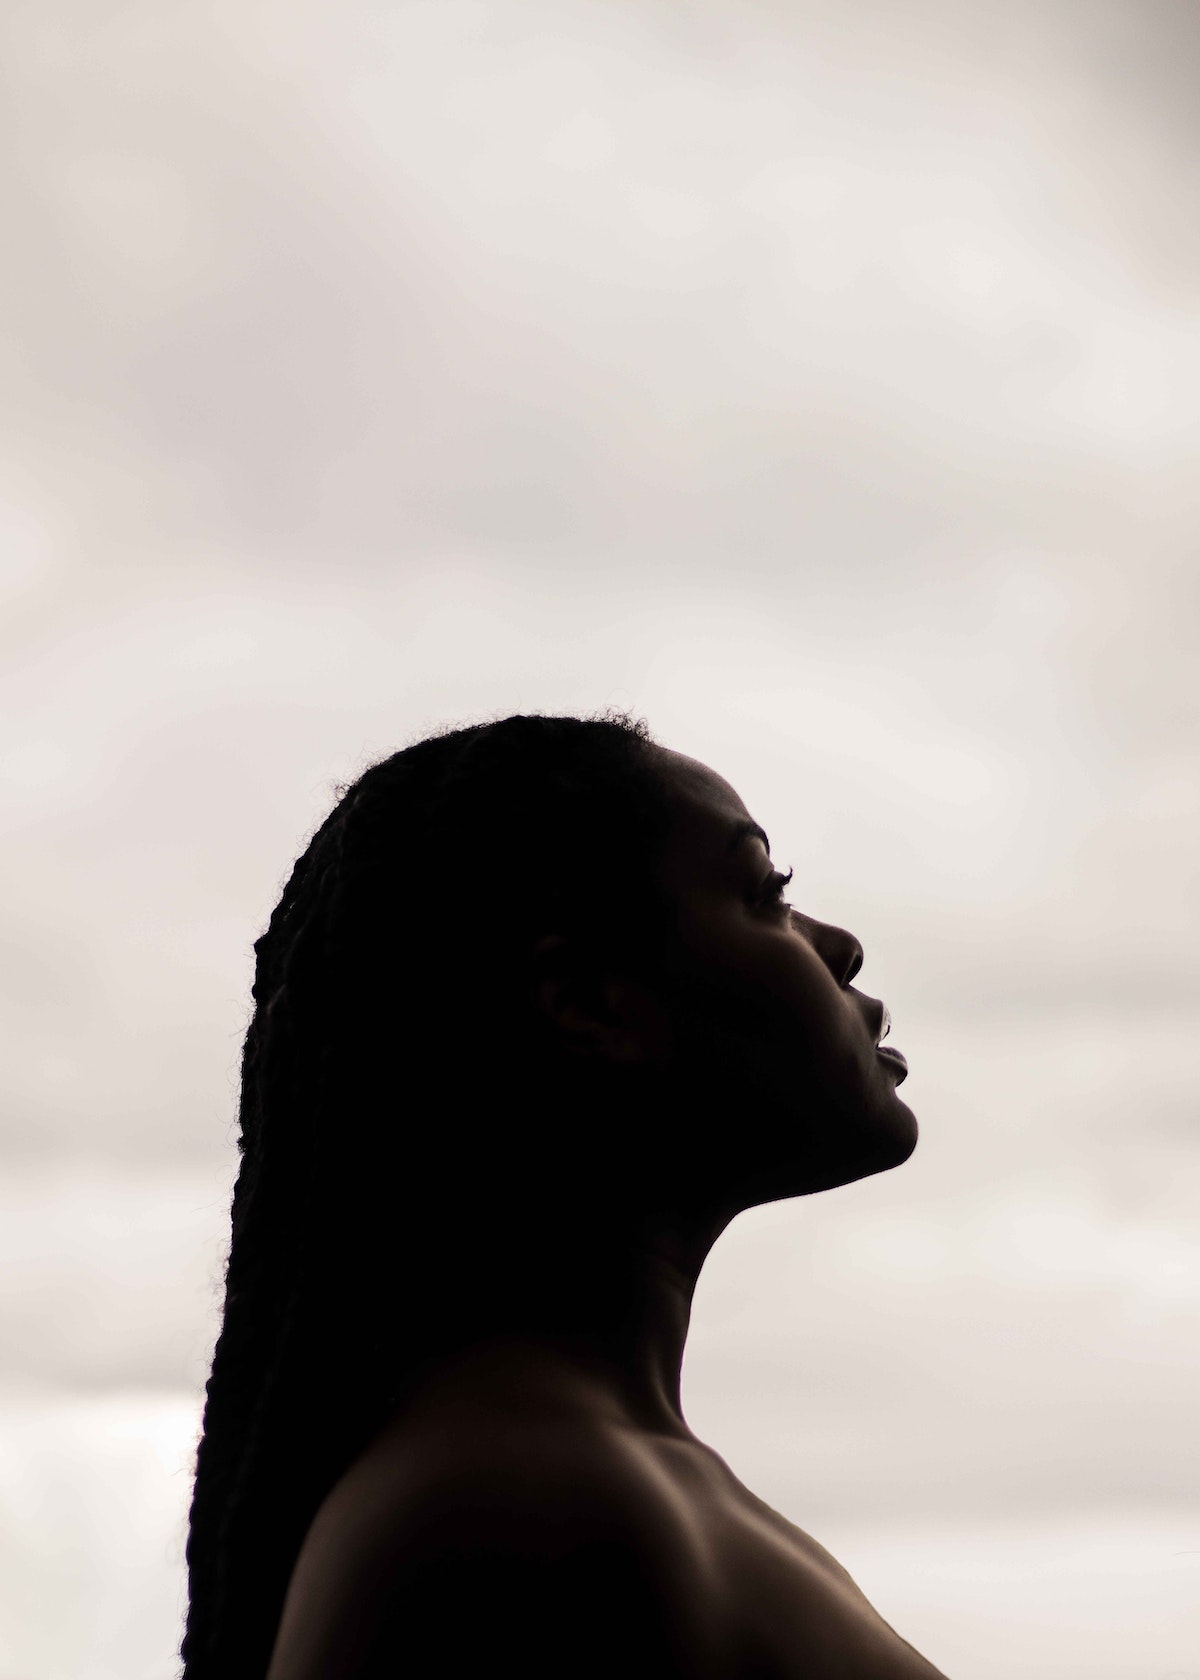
(533, 1024)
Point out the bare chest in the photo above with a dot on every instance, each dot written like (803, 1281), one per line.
(787, 1609)
(794, 1611)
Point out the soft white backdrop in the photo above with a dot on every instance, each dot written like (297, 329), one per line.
(819, 381)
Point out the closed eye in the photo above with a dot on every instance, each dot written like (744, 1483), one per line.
(771, 896)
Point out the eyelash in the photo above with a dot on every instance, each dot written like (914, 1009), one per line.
(772, 895)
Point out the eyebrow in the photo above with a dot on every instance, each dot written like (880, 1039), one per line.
(747, 831)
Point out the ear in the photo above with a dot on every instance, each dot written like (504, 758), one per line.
(597, 1014)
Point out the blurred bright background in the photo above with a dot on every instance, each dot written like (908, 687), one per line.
(820, 382)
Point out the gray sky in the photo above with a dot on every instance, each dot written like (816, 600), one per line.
(821, 382)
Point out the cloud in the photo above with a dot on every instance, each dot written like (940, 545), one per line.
(821, 385)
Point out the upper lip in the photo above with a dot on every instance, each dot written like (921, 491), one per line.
(876, 1016)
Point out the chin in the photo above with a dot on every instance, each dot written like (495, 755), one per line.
(896, 1147)
(857, 1148)
(887, 1130)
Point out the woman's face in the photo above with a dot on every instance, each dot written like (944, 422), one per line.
(772, 1051)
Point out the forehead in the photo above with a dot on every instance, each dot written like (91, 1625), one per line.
(707, 808)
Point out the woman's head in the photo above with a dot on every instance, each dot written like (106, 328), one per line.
(521, 967)
(781, 1088)
(392, 1047)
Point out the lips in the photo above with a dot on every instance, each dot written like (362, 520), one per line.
(895, 1058)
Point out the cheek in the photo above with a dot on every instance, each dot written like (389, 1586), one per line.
(766, 981)
(785, 977)
(806, 1026)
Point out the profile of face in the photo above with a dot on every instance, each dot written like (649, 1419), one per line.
(763, 1058)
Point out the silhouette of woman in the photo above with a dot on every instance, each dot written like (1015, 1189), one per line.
(533, 1023)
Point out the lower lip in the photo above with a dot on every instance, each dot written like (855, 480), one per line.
(893, 1056)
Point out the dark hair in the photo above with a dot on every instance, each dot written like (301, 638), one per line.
(391, 976)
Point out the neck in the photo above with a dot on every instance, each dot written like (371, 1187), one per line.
(584, 1327)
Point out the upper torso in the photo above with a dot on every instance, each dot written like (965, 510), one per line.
(793, 1607)
(787, 1610)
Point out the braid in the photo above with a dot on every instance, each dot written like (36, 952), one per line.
(305, 1369)
(246, 1358)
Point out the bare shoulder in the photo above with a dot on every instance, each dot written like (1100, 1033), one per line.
(558, 1548)
(451, 1550)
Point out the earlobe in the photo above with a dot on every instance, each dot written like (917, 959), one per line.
(577, 1030)
(581, 1021)
(560, 994)
(594, 1015)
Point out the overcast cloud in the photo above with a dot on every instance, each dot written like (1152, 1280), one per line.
(822, 383)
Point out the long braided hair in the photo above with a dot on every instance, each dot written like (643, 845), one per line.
(391, 1026)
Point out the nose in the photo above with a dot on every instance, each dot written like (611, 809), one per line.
(838, 949)
(850, 956)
